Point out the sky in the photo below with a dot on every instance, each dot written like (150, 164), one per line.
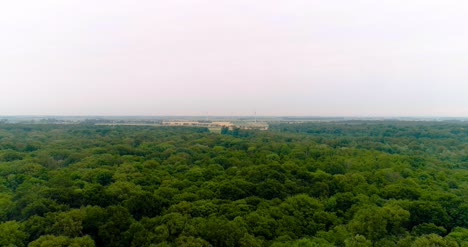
(204, 57)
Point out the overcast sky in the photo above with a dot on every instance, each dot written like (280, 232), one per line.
(219, 57)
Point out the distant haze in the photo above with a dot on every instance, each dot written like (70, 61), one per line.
(184, 57)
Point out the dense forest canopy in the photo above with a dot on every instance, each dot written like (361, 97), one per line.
(354, 183)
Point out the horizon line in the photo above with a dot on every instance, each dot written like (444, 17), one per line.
(240, 115)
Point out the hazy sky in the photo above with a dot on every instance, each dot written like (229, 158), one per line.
(219, 57)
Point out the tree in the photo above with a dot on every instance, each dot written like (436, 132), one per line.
(433, 240)
(315, 242)
(12, 234)
(62, 241)
(358, 241)
(459, 235)
(191, 242)
(6, 205)
(144, 204)
(119, 220)
(68, 224)
(250, 241)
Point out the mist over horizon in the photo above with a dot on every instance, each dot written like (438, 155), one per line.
(234, 58)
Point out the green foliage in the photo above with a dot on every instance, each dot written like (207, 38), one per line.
(459, 235)
(433, 240)
(350, 183)
(316, 242)
(358, 241)
(426, 228)
(62, 241)
(6, 206)
(12, 234)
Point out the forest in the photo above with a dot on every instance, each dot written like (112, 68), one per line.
(342, 183)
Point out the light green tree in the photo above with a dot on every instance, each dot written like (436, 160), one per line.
(12, 234)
